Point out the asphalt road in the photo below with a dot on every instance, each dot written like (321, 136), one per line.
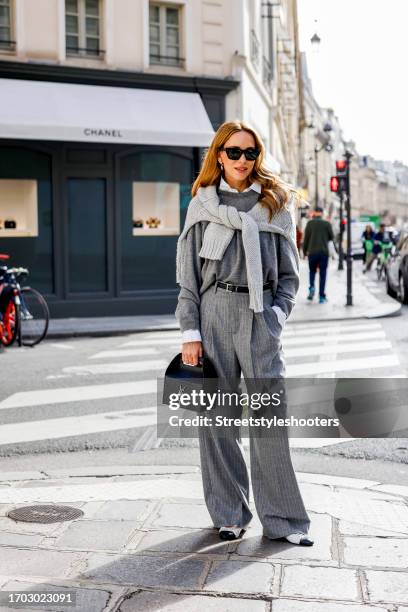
(44, 414)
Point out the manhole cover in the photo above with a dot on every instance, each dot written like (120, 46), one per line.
(44, 514)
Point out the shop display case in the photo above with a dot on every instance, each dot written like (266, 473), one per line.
(156, 209)
(18, 208)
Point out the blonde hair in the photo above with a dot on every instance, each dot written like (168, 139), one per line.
(275, 191)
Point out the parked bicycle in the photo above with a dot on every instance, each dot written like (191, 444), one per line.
(24, 313)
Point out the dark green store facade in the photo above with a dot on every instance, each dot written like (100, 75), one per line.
(85, 257)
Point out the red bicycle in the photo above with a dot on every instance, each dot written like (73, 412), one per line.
(24, 313)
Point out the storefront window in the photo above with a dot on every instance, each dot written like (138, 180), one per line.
(156, 209)
(25, 178)
(18, 208)
(154, 191)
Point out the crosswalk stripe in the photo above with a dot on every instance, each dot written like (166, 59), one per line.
(338, 348)
(125, 353)
(370, 330)
(51, 429)
(118, 368)
(291, 329)
(60, 345)
(328, 329)
(341, 365)
(317, 340)
(62, 395)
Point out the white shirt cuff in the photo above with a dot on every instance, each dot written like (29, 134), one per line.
(192, 335)
(280, 315)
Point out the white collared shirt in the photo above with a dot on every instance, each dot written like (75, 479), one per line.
(191, 335)
(225, 187)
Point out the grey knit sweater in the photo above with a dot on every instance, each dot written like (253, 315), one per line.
(279, 266)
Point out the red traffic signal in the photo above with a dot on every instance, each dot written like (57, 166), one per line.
(341, 169)
(334, 184)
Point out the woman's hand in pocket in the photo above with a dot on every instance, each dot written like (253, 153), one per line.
(191, 352)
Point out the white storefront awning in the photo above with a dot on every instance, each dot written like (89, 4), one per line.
(92, 113)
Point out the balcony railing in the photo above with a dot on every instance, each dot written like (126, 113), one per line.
(255, 50)
(85, 52)
(266, 72)
(166, 60)
(7, 45)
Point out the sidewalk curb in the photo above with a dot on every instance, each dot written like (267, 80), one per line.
(103, 333)
(105, 327)
(361, 317)
(99, 333)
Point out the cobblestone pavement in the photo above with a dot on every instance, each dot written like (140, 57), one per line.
(146, 542)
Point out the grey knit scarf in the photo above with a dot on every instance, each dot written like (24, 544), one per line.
(224, 220)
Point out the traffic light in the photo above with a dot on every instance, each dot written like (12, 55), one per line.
(339, 183)
(335, 184)
(341, 168)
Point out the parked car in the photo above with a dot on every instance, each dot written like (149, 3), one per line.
(397, 271)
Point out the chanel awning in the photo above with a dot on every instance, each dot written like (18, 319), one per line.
(39, 110)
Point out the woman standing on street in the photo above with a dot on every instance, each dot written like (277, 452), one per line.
(238, 268)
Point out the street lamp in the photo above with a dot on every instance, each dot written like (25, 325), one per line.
(315, 40)
(327, 146)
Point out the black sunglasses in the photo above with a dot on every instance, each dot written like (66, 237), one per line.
(235, 153)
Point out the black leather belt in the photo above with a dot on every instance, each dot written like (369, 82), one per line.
(238, 288)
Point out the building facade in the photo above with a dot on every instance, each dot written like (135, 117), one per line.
(106, 109)
(321, 144)
(378, 188)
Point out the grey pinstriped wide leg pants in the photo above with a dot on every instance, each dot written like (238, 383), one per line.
(239, 340)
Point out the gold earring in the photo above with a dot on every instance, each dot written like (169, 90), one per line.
(222, 167)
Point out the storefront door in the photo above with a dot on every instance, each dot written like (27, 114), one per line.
(87, 235)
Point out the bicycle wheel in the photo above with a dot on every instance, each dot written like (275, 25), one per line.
(10, 323)
(34, 316)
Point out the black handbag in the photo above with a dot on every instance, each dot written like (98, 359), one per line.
(181, 378)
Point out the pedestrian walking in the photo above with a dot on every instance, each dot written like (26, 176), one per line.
(238, 269)
(318, 244)
(368, 241)
(380, 238)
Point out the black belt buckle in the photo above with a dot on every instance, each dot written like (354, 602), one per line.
(227, 287)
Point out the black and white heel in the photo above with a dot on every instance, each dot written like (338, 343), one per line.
(301, 539)
(231, 533)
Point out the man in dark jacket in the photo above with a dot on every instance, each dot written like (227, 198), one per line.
(318, 243)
